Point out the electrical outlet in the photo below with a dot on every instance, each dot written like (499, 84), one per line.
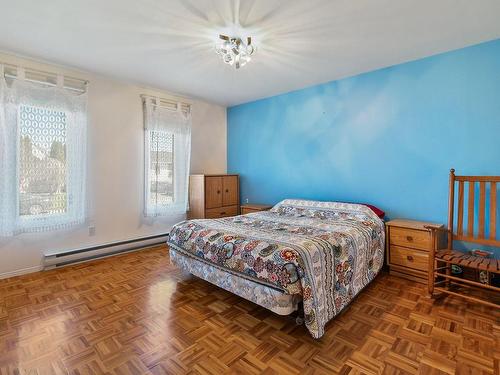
(246, 200)
(92, 230)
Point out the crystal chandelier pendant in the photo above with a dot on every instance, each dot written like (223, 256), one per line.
(234, 51)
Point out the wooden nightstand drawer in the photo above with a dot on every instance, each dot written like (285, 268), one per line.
(249, 208)
(245, 210)
(410, 258)
(410, 238)
(214, 213)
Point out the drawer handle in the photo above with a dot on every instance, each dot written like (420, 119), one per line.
(410, 258)
(223, 213)
(218, 191)
(227, 191)
(409, 238)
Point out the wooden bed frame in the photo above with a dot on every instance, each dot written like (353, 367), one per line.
(442, 259)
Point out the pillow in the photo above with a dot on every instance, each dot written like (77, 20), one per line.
(298, 207)
(378, 211)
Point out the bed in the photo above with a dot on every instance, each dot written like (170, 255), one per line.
(319, 253)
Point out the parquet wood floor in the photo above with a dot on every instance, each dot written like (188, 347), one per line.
(137, 314)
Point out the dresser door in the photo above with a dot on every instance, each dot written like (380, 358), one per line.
(230, 190)
(213, 192)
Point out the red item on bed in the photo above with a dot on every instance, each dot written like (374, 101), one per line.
(377, 210)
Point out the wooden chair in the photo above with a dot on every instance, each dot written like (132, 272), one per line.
(441, 260)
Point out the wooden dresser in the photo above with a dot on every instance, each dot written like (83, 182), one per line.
(249, 208)
(213, 196)
(407, 248)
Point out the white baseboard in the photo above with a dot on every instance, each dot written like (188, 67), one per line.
(62, 259)
(20, 272)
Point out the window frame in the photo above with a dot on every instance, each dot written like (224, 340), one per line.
(174, 118)
(27, 88)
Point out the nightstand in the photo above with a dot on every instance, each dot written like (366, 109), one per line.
(249, 208)
(407, 248)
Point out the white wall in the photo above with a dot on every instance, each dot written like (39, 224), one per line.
(115, 169)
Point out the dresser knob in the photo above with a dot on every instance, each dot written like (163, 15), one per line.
(409, 238)
(218, 191)
(410, 258)
(227, 191)
(223, 213)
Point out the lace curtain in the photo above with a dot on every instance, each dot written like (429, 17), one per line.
(42, 156)
(167, 159)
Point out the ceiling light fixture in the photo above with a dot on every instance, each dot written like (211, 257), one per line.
(234, 51)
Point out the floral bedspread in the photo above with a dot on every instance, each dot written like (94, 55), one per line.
(325, 251)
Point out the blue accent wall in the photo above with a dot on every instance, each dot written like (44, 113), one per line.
(388, 137)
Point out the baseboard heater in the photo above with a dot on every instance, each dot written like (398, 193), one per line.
(61, 259)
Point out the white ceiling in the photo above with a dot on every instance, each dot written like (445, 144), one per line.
(169, 44)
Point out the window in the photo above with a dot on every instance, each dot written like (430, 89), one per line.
(43, 156)
(167, 151)
(161, 168)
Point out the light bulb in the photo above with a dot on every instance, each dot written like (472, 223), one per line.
(234, 51)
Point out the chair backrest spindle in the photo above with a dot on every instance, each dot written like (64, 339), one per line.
(451, 206)
(493, 210)
(470, 210)
(460, 208)
(482, 208)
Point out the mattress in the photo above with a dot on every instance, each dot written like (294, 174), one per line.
(271, 298)
(324, 252)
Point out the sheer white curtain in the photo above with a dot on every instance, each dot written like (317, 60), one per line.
(167, 159)
(42, 156)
